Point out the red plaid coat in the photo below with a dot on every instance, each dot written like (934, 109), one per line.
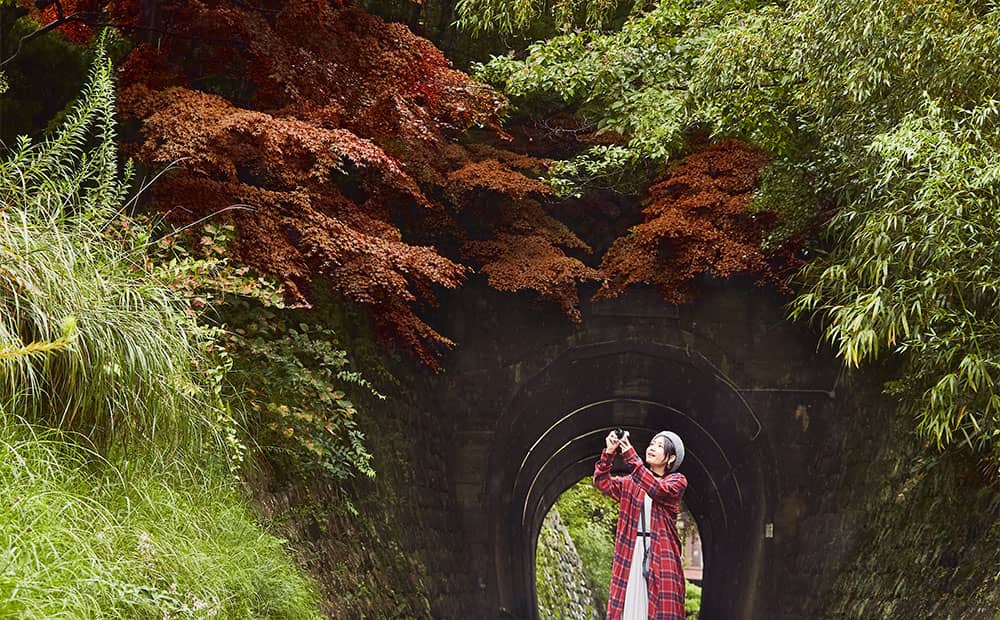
(665, 585)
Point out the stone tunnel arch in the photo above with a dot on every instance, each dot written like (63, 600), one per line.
(752, 394)
(551, 433)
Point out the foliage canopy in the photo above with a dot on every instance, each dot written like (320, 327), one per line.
(884, 113)
(360, 170)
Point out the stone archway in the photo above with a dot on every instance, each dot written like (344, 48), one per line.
(557, 422)
(532, 397)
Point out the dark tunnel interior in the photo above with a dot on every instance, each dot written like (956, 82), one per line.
(552, 433)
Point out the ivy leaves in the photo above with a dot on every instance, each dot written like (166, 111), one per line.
(287, 380)
(292, 376)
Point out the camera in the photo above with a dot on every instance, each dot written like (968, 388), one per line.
(619, 433)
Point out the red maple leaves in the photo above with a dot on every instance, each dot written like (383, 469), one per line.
(696, 222)
(335, 129)
(332, 132)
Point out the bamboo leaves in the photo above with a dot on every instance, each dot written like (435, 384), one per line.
(916, 272)
(882, 112)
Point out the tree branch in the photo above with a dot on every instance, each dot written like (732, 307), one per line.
(74, 17)
(90, 19)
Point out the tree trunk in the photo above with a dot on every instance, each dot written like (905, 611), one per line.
(149, 21)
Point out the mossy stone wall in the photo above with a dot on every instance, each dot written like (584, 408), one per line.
(564, 592)
(924, 540)
(388, 548)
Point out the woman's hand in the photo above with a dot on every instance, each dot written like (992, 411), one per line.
(631, 457)
(611, 443)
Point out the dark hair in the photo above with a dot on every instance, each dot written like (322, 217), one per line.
(668, 447)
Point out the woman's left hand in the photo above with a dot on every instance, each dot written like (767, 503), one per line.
(625, 444)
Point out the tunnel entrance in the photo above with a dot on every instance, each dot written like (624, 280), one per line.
(645, 388)
(533, 397)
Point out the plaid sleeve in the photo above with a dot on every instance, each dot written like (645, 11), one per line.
(604, 481)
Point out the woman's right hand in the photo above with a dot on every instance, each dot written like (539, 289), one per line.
(611, 443)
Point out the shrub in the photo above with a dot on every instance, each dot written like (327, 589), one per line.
(123, 507)
(91, 339)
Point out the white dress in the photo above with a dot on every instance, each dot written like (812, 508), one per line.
(636, 599)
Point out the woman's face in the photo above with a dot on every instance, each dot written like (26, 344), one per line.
(656, 453)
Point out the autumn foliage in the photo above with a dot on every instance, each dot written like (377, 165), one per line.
(331, 132)
(696, 222)
(339, 147)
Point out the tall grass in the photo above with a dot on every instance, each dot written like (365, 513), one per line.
(118, 508)
(125, 370)
(147, 541)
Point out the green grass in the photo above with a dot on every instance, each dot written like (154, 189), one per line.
(116, 497)
(74, 270)
(153, 540)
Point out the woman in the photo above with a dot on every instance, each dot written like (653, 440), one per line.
(650, 497)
